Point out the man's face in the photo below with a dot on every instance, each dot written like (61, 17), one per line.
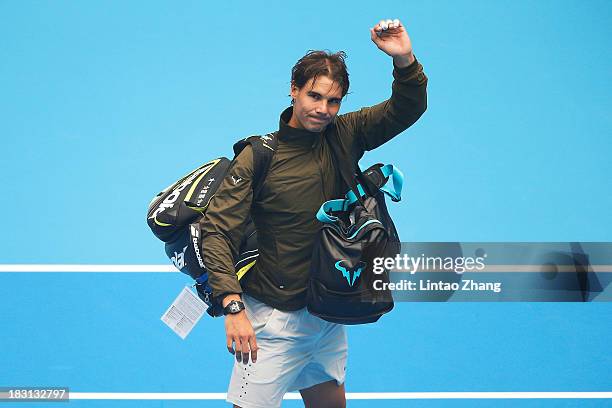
(315, 104)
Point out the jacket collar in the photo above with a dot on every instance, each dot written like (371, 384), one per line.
(294, 136)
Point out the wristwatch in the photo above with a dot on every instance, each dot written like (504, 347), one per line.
(233, 307)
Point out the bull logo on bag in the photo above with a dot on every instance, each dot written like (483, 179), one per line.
(346, 270)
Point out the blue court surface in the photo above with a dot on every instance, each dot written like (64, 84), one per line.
(103, 104)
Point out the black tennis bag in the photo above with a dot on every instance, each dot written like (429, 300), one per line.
(174, 214)
(355, 230)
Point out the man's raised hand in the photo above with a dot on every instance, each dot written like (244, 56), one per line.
(391, 37)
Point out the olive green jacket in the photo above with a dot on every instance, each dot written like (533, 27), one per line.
(301, 177)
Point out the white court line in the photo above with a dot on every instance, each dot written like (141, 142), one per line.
(85, 268)
(70, 268)
(349, 395)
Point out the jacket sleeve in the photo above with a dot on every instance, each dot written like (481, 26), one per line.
(224, 222)
(372, 126)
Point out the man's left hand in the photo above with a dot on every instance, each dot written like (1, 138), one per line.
(391, 37)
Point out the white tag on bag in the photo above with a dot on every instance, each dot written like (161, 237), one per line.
(184, 312)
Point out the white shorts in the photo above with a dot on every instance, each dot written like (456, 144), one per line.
(296, 351)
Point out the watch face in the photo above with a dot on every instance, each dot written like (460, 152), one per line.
(234, 308)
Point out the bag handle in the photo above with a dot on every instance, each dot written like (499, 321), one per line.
(392, 188)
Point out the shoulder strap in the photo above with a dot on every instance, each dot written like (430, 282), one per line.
(349, 170)
(264, 148)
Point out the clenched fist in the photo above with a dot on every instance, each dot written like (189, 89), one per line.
(391, 37)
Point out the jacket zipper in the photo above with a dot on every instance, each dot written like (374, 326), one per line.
(320, 167)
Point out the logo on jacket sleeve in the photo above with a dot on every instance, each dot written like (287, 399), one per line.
(346, 270)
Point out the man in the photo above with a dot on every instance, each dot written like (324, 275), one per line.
(278, 345)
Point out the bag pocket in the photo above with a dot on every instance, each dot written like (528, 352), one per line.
(357, 307)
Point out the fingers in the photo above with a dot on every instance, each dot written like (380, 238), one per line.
(237, 350)
(385, 25)
(374, 35)
(245, 348)
(254, 348)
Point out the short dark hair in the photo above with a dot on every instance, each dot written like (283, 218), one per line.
(325, 63)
